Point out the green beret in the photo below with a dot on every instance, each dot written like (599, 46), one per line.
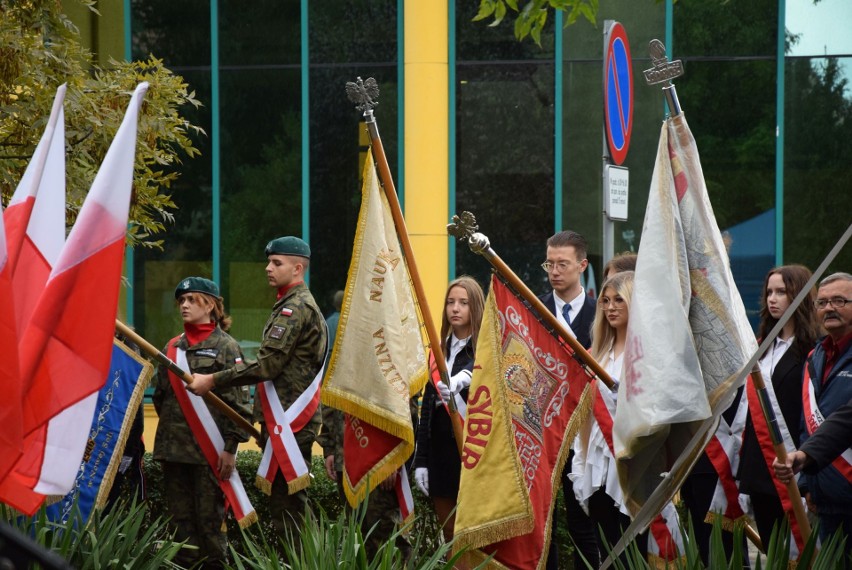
(198, 284)
(288, 245)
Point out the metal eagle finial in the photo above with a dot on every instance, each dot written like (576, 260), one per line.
(462, 226)
(364, 93)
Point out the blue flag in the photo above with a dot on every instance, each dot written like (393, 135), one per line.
(118, 402)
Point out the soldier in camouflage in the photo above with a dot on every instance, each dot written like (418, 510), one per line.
(195, 501)
(290, 356)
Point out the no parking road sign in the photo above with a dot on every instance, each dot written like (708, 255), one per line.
(618, 92)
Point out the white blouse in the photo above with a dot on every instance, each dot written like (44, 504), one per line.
(593, 467)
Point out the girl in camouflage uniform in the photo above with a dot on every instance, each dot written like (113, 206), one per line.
(195, 501)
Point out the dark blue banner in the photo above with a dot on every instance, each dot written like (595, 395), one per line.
(118, 402)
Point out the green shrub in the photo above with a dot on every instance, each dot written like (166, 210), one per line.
(124, 537)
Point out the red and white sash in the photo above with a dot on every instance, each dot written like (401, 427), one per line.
(209, 439)
(723, 450)
(761, 430)
(404, 496)
(668, 542)
(282, 451)
(814, 418)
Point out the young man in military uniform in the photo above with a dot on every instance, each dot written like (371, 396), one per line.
(195, 500)
(291, 354)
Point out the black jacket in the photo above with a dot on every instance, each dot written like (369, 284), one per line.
(582, 325)
(787, 384)
(464, 360)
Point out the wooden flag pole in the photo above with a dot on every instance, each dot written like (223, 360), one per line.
(780, 451)
(363, 93)
(464, 227)
(210, 397)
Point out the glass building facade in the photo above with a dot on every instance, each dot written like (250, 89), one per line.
(766, 93)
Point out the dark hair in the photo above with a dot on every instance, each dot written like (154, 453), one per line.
(566, 238)
(624, 261)
(805, 323)
(476, 303)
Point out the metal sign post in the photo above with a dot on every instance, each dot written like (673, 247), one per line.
(618, 126)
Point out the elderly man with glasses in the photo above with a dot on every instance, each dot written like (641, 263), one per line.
(826, 397)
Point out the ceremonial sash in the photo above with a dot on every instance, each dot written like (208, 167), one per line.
(404, 496)
(814, 418)
(667, 544)
(209, 439)
(282, 451)
(761, 430)
(461, 405)
(723, 450)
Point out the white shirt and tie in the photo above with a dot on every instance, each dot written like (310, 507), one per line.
(567, 312)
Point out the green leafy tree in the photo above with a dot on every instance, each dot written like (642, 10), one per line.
(39, 50)
(532, 16)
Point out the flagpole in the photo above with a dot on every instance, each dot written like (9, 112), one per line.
(364, 94)
(780, 451)
(464, 227)
(210, 397)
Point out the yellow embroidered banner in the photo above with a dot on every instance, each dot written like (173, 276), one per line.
(379, 356)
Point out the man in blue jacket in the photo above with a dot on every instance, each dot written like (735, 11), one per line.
(826, 389)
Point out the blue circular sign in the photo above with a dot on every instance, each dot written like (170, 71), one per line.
(618, 93)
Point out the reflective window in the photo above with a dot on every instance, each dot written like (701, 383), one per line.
(817, 160)
(504, 157)
(819, 28)
(176, 32)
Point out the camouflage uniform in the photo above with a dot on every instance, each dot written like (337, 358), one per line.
(290, 355)
(382, 505)
(195, 500)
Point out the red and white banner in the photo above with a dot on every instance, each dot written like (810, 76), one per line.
(528, 397)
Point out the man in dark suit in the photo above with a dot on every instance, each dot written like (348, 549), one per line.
(566, 261)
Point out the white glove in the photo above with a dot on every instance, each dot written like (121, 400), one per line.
(421, 478)
(444, 391)
(460, 381)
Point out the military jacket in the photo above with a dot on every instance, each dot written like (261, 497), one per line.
(291, 354)
(174, 440)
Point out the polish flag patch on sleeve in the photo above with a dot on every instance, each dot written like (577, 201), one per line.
(286, 312)
(238, 360)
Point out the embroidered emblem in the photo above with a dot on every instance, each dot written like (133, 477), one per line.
(238, 360)
(286, 312)
(211, 352)
(276, 333)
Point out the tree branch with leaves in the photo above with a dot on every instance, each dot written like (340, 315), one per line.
(532, 17)
(40, 49)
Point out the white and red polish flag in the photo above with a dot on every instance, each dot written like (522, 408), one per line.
(35, 231)
(11, 435)
(65, 350)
